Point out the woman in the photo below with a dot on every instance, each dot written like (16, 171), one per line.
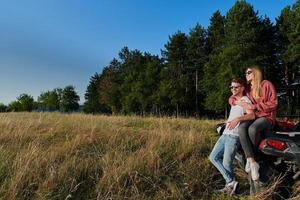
(264, 103)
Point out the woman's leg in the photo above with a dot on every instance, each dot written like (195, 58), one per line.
(246, 143)
(244, 138)
(256, 129)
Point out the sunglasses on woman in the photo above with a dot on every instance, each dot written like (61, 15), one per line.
(248, 73)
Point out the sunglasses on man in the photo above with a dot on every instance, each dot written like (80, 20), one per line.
(234, 87)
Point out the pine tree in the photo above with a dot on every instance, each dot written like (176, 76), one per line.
(137, 81)
(151, 84)
(241, 34)
(69, 99)
(216, 39)
(240, 50)
(215, 33)
(266, 48)
(109, 87)
(173, 87)
(288, 27)
(131, 88)
(282, 28)
(197, 56)
(292, 54)
(92, 104)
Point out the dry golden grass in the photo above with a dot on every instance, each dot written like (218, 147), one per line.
(76, 156)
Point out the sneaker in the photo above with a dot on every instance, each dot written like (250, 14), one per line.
(226, 190)
(233, 185)
(247, 167)
(229, 189)
(254, 167)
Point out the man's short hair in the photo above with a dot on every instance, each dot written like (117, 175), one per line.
(239, 81)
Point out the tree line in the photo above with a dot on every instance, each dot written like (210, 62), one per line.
(58, 99)
(193, 73)
(191, 77)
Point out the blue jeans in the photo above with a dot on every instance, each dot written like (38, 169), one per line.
(223, 154)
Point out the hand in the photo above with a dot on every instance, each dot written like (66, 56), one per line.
(245, 105)
(232, 124)
(232, 100)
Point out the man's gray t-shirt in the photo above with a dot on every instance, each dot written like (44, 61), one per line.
(236, 111)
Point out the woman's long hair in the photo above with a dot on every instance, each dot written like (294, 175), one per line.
(256, 81)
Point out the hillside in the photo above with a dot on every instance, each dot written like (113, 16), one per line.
(76, 156)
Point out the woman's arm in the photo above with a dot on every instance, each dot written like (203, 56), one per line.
(269, 101)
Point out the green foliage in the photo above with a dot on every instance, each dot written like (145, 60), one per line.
(197, 54)
(69, 99)
(239, 51)
(140, 79)
(174, 76)
(130, 85)
(65, 100)
(293, 49)
(283, 27)
(288, 25)
(15, 106)
(92, 104)
(109, 88)
(3, 108)
(49, 101)
(215, 33)
(24, 102)
(267, 56)
(210, 82)
(288, 47)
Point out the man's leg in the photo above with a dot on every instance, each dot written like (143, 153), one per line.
(216, 157)
(231, 143)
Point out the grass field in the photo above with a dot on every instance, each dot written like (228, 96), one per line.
(76, 156)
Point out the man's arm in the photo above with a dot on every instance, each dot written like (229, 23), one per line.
(247, 117)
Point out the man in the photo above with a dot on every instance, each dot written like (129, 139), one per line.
(224, 150)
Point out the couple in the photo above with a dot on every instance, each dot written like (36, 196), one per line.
(253, 110)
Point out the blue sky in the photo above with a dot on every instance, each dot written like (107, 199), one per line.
(53, 43)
